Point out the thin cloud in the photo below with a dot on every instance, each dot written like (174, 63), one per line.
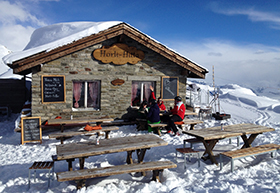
(252, 14)
(248, 64)
(17, 23)
(214, 54)
(16, 13)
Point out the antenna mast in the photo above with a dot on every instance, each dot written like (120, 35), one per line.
(213, 76)
(215, 102)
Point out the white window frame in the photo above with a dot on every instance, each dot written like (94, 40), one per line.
(142, 90)
(85, 108)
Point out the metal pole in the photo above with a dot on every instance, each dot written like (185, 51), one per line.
(218, 100)
(213, 76)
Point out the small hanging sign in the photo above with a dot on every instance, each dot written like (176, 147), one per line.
(117, 82)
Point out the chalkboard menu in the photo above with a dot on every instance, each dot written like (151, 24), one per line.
(53, 88)
(31, 129)
(169, 87)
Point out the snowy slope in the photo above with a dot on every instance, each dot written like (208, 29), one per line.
(5, 71)
(272, 91)
(260, 174)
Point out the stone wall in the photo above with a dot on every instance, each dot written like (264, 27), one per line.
(115, 100)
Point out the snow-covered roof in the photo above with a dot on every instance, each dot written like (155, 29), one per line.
(51, 40)
(53, 36)
(5, 71)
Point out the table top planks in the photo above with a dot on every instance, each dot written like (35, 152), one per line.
(229, 131)
(73, 121)
(192, 121)
(113, 145)
(83, 132)
(187, 113)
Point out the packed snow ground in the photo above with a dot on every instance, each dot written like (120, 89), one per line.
(260, 174)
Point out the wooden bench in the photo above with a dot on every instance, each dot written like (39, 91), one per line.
(158, 127)
(191, 122)
(247, 152)
(156, 167)
(188, 152)
(191, 141)
(49, 166)
(64, 135)
(179, 124)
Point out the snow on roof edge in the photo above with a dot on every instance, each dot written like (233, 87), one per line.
(94, 29)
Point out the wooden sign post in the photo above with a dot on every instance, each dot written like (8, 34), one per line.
(31, 129)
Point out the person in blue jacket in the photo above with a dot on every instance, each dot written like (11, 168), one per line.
(152, 113)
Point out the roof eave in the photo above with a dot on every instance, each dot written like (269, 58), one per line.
(21, 66)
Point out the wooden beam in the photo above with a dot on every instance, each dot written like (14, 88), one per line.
(44, 57)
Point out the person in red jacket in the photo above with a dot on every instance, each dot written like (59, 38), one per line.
(159, 101)
(161, 104)
(178, 114)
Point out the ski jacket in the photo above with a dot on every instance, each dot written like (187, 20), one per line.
(179, 109)
(153, 113)
(161, 106)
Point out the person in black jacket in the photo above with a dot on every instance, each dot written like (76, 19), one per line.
(152, 114)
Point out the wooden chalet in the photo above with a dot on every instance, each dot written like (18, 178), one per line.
(105, 74)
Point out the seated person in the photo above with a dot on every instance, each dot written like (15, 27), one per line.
(159, 101)
(178, 114)
(143, 105)
(152, 114)
(161, 104)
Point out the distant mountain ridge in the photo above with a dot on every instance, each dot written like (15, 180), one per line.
(272, 91)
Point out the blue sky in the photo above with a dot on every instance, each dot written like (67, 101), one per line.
(241, 39)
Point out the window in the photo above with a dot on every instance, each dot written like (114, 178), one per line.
(86, 94)
(141, 92)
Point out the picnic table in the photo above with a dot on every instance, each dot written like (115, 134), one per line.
(168, 113)
(191, 122)
(210, 136)
(188, 113)
(82, 150)
(77, 122)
